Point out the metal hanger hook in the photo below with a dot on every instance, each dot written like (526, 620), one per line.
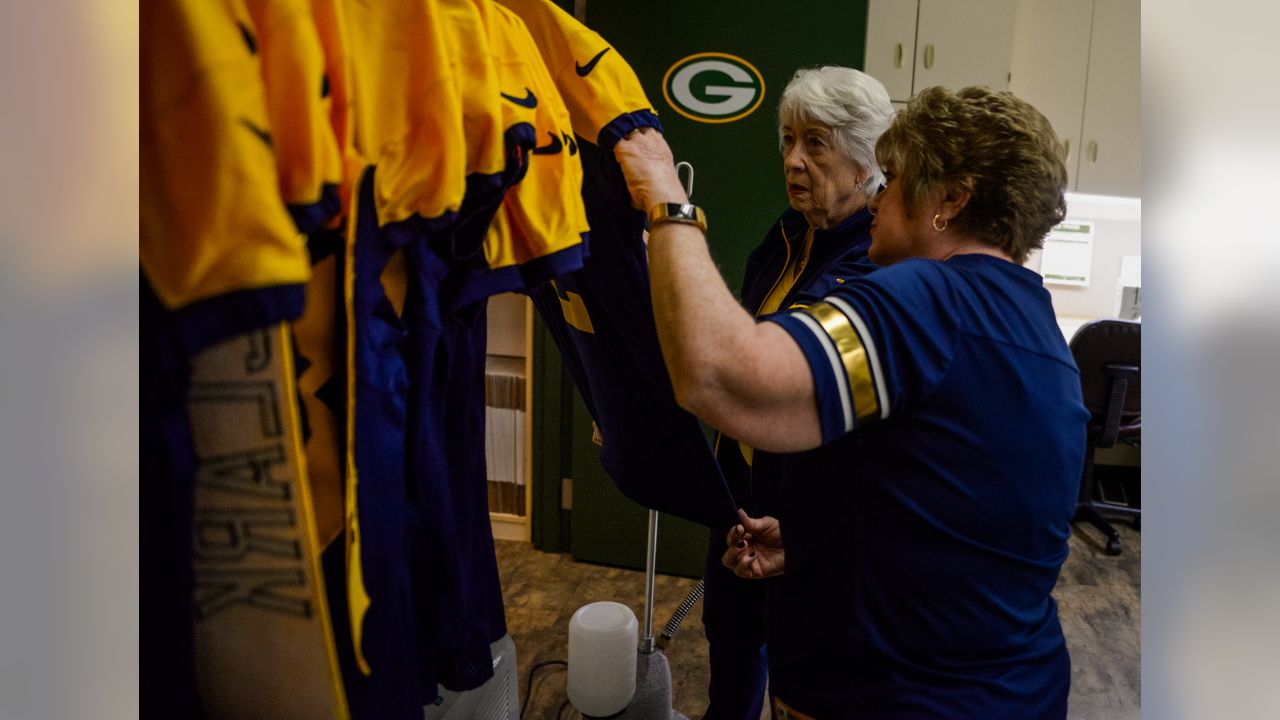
(688, 184)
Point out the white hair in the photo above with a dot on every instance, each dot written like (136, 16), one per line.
(852, 103)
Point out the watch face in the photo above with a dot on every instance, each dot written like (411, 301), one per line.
(677, 212)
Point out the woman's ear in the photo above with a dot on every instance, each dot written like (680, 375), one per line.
(954, 200)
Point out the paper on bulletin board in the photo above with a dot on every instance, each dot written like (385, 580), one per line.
(1068, 254)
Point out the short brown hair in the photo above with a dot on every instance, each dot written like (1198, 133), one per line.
(996, 146)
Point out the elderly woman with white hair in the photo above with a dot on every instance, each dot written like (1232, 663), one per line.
(829, 119)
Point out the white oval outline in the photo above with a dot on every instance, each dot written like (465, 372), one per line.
(742, 65)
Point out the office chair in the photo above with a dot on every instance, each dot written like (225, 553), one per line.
(1109, 355)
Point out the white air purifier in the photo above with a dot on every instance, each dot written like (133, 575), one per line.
(497, 699)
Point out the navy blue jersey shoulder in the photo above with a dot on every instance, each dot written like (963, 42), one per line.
(928, 548)
(653, 450)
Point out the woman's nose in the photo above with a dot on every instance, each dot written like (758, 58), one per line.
(793, 158)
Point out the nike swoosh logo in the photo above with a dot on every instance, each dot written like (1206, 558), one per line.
(528, 101)
(585, 70)
(550, 148)
(263, 135)
(249, 39)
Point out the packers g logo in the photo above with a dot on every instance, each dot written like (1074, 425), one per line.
(713, 87)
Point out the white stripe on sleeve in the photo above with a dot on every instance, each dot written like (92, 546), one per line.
(837, 367)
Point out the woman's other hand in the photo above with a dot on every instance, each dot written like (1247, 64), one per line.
(650, 169)
(755, 548)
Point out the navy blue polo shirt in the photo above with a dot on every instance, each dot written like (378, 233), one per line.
(920, 562)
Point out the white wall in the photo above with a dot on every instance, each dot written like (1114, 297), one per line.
(1117, 233)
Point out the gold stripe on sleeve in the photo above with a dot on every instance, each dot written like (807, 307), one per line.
(854, 357)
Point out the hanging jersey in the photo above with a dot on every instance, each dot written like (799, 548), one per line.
(260, 605)
(305, 78)
(331, 27)
(308, 159)
(604, 97)
(408, 122)
(456, 586)
(379, 518)
(220, 257)
(408, 111)
(956, 374)
(457, 602)
(416, 282)
(319, 330)
(540, 230)
(600, 316)
(477, 83)
(217, 244)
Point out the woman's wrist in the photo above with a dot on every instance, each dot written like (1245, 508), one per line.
(666, 191)
(677, 213)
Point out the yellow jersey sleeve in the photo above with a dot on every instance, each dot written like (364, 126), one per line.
(298, 102)
(542, 216)
(597, 83)
(211, 214)
(477, 81)
(408, 112)
(331, 29)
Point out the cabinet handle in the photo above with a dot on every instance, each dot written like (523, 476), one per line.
(1093, 151)
(897, 55)
(928, 57)
(1066, 150)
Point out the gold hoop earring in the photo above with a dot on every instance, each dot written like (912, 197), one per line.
(935, 223)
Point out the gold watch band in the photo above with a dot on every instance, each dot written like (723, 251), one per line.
(686, 213)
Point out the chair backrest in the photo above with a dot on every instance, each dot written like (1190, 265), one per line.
(1102, 349)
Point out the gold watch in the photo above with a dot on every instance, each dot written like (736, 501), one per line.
(686, 213)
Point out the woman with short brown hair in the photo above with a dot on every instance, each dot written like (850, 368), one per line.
(920, 557)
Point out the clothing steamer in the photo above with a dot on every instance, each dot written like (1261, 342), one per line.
(652, 699)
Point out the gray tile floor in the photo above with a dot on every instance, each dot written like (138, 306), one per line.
(1098, 596)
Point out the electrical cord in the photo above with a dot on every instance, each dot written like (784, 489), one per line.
(528, 688)
(678, 616)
